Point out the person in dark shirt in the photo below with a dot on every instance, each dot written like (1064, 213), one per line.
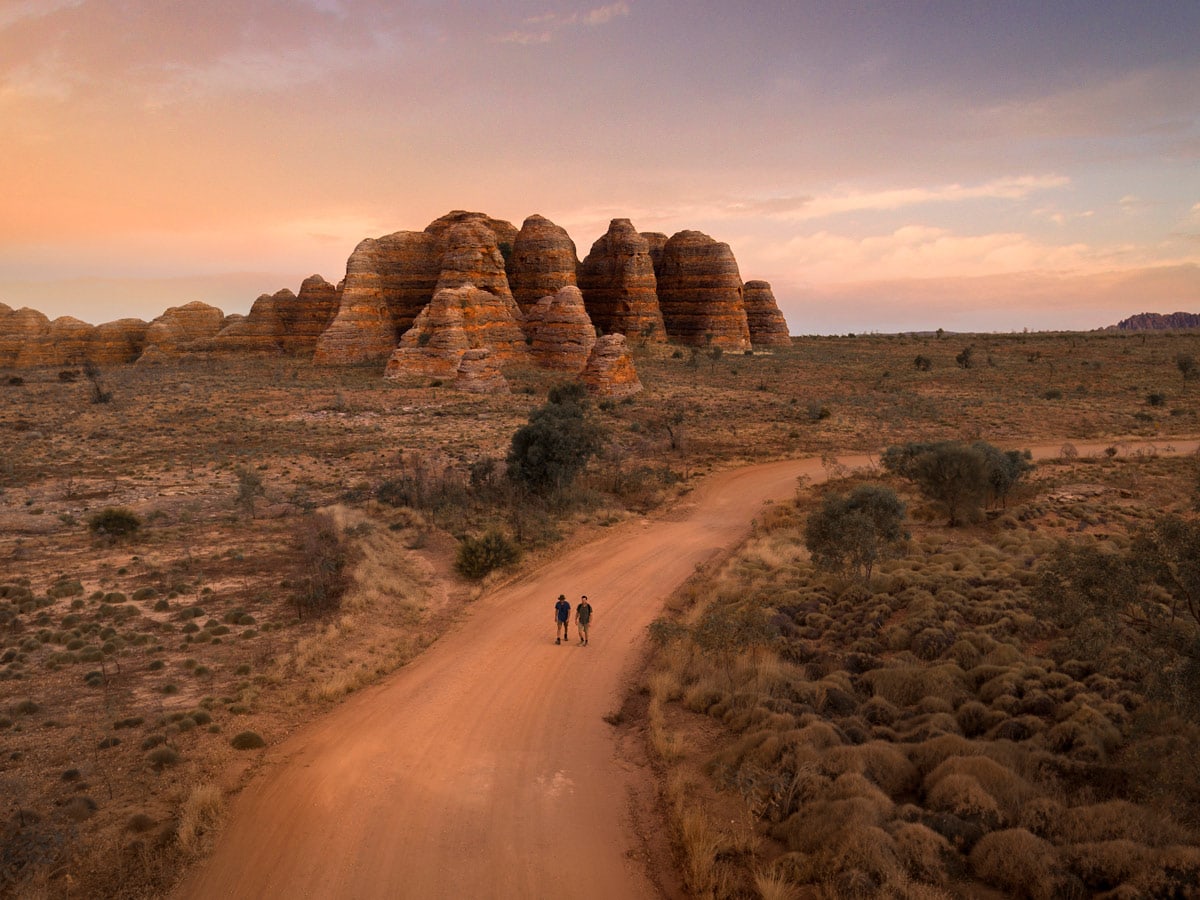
(583, 618)
(562, 619)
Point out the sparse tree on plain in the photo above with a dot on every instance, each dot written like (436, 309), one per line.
(853, 532)
(554, 447)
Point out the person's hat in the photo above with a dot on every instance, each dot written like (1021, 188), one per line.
(562, 596)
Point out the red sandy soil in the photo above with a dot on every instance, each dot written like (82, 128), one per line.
(485, 768)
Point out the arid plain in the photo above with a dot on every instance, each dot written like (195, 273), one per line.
(132, 664)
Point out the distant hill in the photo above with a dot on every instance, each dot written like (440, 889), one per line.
(1176, 321)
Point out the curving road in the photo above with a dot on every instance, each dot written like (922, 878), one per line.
(484, 768)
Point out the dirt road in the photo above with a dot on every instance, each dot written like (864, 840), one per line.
(485, 768)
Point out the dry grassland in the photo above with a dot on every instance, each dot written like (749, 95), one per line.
(132, 670)
(933, 733)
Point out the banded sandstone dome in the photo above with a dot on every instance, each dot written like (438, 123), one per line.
(648, 287)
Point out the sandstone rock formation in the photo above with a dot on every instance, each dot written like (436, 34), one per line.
(656, 240)
(609, 371)
(389, 280)
(18, 328)
(618, 284)
(307, 317)
(542, 261)
(700, 293)
(66, 344)
(260, 332)
(457, 320)
(118, 343)
(1176, 321)
(479, 373)
(560, 333)
(181, 329)
(768, 328)
(471, 255)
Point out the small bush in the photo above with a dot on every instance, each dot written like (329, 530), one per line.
(114, 522)
(327, 564)
(247, 740)
(139, 823)
(161, 757)
(65, 587)
(479, 556)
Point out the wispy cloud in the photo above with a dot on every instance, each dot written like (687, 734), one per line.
(257, 70)
(835, 203)
(45, 78)
(13, 12)
(543, 29)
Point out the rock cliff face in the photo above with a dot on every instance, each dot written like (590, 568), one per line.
(618, 284)
(471, 255)
(118, 343)
(479, 373)
(181, 329)
(260, 332)
(389, 280)
(542, 261)
(768, 328)
(67, 343)
(700, 293)
(1176, 321)
(560, 333)
(645, 286)
(19, 328)
(609, 371)
(457, 320)
(655, 240)
(305, 319)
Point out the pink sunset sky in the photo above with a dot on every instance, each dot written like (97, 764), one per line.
(886, 166)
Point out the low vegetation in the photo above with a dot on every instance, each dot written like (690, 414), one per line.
(297, 532)
(1009, 704)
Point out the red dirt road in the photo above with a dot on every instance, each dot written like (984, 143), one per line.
(484, 768)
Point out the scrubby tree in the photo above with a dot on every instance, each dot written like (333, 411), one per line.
(959, 477)
(1143, 601)
(250, 488)
(852, 532)
(1186, 364)
(966, 357)
(1004, 469)
(327, 560)
(100, 393)
(554, 447)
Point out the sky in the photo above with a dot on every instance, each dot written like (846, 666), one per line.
(891, 166)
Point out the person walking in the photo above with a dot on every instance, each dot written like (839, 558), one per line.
(583, 618)
(562, 619)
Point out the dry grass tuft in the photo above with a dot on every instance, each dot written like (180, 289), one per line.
(1008, 790)
(199, 817)
(1019, 862)
(923, 853)
(906, 685)
(1105, 865)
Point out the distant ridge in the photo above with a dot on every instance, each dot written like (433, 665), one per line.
(1176, 321)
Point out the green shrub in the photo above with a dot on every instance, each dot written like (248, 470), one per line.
(554, 447)
(478, 556)
(114, 522)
